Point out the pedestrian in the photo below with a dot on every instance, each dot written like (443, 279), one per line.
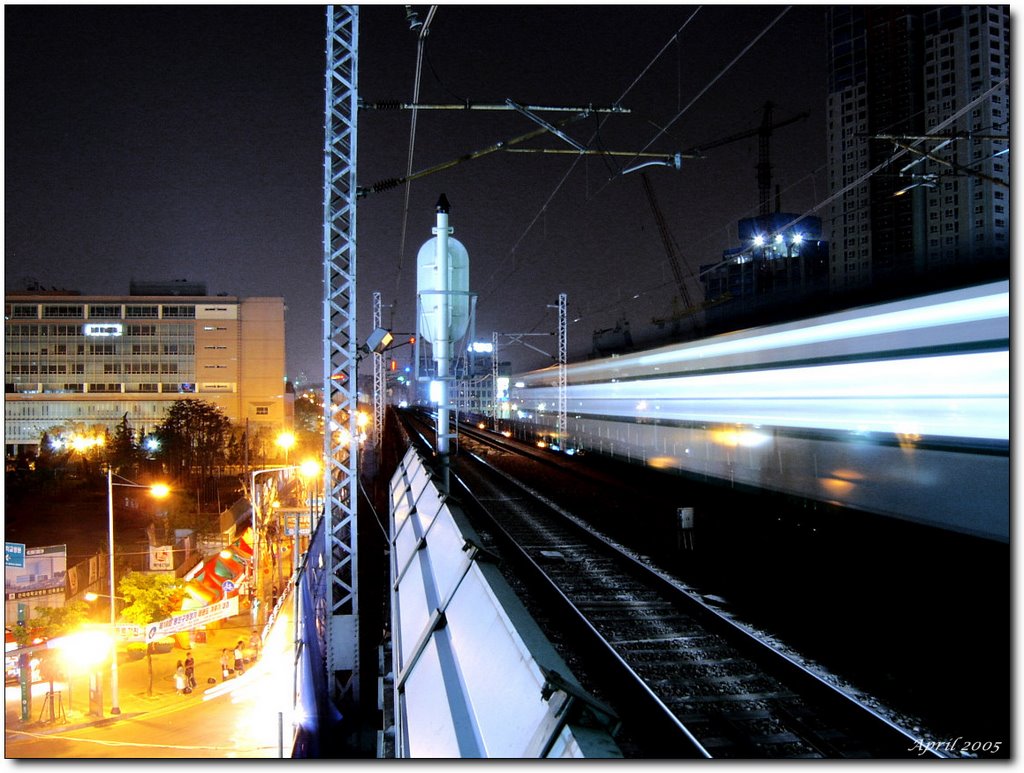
(190, 670)
(225, 664)
(254, 645)
(239, 662)
(179, 679)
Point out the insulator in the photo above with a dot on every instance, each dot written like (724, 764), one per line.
(386, 185)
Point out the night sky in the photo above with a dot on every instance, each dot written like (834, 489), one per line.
(186, 142)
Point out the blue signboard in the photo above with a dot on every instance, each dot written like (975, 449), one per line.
(14, 554)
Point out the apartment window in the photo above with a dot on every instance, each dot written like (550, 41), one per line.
(179, 312)
(113, 312)
(140, 330)
(142, 312)
(262, 411)
(24, 312)
(62, 311)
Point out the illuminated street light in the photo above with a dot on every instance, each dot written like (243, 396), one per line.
(159, 491)
(256, 508)
(90, 596)
(286, 440)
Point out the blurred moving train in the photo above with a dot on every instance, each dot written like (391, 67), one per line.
(900, 409)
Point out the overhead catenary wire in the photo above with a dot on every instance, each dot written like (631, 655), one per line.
(661, 131)
(420, 44)
(674, 37)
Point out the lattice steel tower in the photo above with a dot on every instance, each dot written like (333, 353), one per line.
(335, 582)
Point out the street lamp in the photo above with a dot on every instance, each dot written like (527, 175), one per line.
(286, 440)
(310, 471)
(256, 508)
(159, 491)
(90, 596)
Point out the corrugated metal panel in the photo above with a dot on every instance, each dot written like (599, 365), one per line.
(470, 664)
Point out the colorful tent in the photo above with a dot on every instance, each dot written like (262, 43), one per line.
(231, 563)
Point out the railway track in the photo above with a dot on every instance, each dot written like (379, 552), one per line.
(687, 681)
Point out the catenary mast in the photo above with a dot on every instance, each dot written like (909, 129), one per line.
(338, 608)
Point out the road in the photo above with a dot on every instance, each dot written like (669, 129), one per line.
(245, 717)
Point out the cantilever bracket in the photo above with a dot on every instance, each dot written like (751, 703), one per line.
(550, 127)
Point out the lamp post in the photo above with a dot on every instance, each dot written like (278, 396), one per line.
(310, 471)
(256, 510)
(159, 491)
(286, 440)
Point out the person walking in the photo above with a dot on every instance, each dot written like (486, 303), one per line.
(239, 661)
(254, 645)
(225, 665)
(179, 679)
(190, 671)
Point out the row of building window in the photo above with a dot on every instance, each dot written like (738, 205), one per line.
(173, 330)
(106, 388)
(100, 350)
(97, 311)
(35, 368)
(81, 350)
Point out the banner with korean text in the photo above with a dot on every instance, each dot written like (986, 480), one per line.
(192, 619)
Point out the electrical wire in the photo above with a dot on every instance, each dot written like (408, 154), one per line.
(487, 293)
(420, 46)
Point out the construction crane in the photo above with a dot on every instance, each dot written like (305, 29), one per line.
(764, 164)
(671, 252)
(764, 185)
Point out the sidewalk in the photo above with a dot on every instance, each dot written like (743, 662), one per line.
(133, 684)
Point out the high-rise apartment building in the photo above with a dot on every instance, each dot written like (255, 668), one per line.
(75, 361)
(934, 79)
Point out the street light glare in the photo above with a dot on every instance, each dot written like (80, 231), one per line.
(286, 440)
(159, 490)
(309, 468)
(85, 650)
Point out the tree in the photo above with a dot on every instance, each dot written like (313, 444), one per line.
(123, 453)
(51, 622)
(309, 422)
(193, 440)
(150, 598)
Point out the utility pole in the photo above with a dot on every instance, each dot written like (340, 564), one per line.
(379, 386)
(562, 381)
